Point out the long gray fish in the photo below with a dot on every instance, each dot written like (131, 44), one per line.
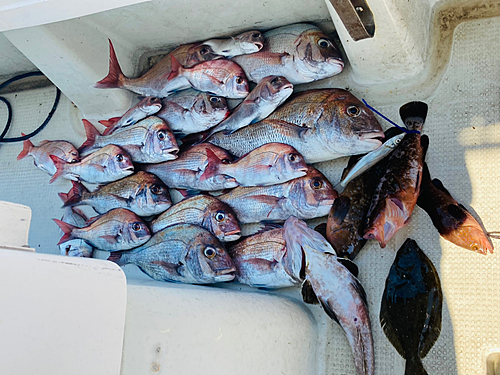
(202, 210)
(153, 82)
(185, 172)
(270, 164)
(264, 261)
(107, 164)
(182, 253)
(321, 124)
(118, 229)
(369, 160)
(142, 193)
(268, 95)
(305, 197)
(300, 52)
(75, 247)
(190, 111)
(339, 292)
(248, 42)
(146, 107)
(148, 141)
(41, 153)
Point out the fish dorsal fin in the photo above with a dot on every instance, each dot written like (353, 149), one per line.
(359, 288)
(424, 142)
(351, 266)
(328, 310)
(339, 209)
(457, 212)
(321, 229)
(439, 185)
(388, 328)
(308, 294)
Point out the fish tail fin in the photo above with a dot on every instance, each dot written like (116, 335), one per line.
(114, 79)
(176, 68)
(109, 124)
(414, 366)
(212, 167)
(413, 114)
(74, 196)
(187, 193)
(67, 230)
(27, 146)
(117, 257)
(59, 164)
(91, 133)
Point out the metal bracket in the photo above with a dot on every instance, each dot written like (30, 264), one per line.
(356, 17)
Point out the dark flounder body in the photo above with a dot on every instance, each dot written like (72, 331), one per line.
(411, 308)
(321, 124)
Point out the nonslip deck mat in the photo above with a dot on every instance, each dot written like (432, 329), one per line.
(463, 125)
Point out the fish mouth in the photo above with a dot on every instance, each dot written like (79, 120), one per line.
(335, 61)
(372, 137)
(304, 169)
(232, 236)
(259, 45)
(287, 86)
(226, 275)
(327, 202)
(129, 169)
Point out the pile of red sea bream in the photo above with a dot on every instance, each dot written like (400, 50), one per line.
(253, 165)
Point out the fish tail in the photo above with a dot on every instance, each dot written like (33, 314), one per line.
(91, 133)
(117, 257)
(212, 167)
(59, 164)
(109, 124)
(74, 196)
(67, 230)
(176, 68)
(115, 77)
(413, 114)
(414, 366)
(27, 146)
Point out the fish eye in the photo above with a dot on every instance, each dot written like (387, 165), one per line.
(226, 161)
(119, 158)
(210, 252)
(204, 51)
(74, 161)
(161, 135)
(474, 247)
(353, 111)
(256, 35)
(239, 80)
(316, 184)
(136, 227)
(219, 216)
(292, 157)
(323, 43)
(214, 99)
(397, 141)
(155, 189)
(275, 80)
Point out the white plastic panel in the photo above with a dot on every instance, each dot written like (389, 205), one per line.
(186, 330)
(60, 315)
(14, 225)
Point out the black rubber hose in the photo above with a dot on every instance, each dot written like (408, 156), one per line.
(9, 109)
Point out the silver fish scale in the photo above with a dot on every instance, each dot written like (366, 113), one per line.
(188, 214)
(131, 135)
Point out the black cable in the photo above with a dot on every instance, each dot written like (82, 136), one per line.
(9, 109)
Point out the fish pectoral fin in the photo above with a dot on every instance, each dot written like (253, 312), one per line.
(457, 212)
(268, 225)
(216, 81)
(99, 167)
(171, 268)
(359, 289)
(339, 210)
(308, 294)
(267, 199)
(328, 310)
(111, 239)
(264, 265)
